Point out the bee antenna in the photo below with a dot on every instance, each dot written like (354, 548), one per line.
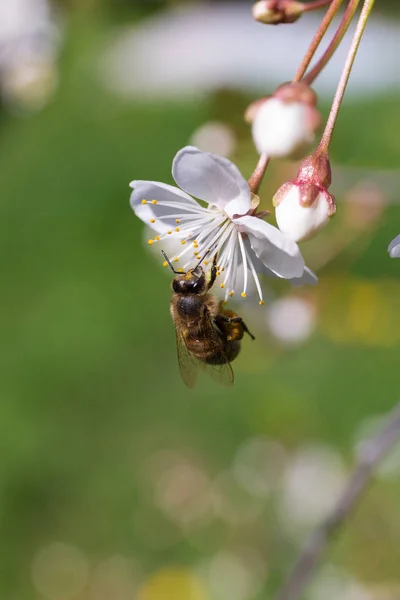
(201, 260)
(170, 264)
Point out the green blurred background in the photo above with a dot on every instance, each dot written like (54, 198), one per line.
(117, 482)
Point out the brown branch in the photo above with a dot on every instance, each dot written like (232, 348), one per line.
(371, 455)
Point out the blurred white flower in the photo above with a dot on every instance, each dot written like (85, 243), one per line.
(229, 225)
(233, 576)
(394, 247)
(59, 571)
(291, 320)
(29, 41)
(215, 137)
(332, 583)
(312, 484)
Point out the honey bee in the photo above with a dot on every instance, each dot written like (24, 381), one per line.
(207, 334)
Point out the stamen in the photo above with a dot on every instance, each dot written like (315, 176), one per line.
(176, 259)
(261, 303)
(177, 229)
(255, 277)
(169, 232)
(183, 242)
(231, 294)
(165, 264)
(244, 258)
(180, 270)
(222, 285)
(154, 201)
(157, 238)
(150, 242)
(177, 221)
(152, 220)
(144, 201)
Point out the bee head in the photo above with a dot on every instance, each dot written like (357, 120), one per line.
(192, 282)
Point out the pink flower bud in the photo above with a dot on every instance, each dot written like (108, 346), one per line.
(284, 125)
(273, 12)
(304, 206)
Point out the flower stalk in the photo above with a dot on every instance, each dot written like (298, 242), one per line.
(333, 46)
(315, 5)
(344, 78)
(322, 29)
(258, 174)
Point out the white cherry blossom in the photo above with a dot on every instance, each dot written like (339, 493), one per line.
(246, 244)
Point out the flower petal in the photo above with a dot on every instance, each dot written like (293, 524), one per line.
(394, 247)
(159, 205)
(277, 252)
(211, 178)
(308, 278)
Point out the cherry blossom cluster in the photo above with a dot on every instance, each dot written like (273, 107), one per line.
(215, 210)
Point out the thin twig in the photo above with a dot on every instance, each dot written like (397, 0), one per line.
(370, 456)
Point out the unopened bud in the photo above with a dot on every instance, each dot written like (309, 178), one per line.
(284, 124)
(274, 12)
(304, 206)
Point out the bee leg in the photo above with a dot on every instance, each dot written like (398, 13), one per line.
(213, 273)
(236, 320)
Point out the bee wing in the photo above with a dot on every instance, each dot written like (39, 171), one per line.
(222, 373)
(188, 364)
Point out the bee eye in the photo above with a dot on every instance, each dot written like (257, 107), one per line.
(179, 285)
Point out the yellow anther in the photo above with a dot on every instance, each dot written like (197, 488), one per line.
(243, 294)
(157, 238)
(231, 294)
(222, 285)
(169, 232)
(176, 259)
(199, 257)
(144, 201)
(154, 201)
(180, 270)
(195, 253)
(183, 242)
(195, 242)
(261, 303)
(206, 262)
(177, 229)
(165, 264)
(223, 269)
(195, 245)
(152, 220)
(177, 221)
(150, 242)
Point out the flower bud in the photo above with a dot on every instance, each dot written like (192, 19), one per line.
(274, 12)
(284, 124)
(304, 206)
